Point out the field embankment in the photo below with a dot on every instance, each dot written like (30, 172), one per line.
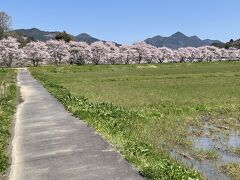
(8, 93)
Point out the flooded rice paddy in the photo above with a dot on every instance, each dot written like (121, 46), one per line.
(213, 146)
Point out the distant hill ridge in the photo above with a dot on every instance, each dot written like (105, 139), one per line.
(174, 41)
(40, 35)
(231, 44)
(179, 40)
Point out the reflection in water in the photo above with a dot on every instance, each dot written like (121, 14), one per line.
(234, 140)
(203, 143)
(218, 142)
(205, 167)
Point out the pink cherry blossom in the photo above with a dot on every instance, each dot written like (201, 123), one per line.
(80, 53)
(36, 52)
(99, 52)
(59, 51)
(10, 53)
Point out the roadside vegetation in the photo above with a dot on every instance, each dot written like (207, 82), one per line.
(8, 93)
(146, 110)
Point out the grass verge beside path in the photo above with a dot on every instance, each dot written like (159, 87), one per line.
(147, 110)
(8, 94)
(113, 122)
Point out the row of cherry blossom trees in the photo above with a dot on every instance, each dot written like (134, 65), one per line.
(58, 52)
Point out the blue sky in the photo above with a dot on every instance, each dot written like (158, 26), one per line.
(127, 21)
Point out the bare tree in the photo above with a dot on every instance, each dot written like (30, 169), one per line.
(5, 23)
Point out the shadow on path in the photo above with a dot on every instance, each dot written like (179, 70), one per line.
(51, 144)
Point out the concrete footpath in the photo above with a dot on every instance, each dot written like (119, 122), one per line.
(51, 144)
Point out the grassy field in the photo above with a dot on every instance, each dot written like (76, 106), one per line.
(7, 106)
(146, 110)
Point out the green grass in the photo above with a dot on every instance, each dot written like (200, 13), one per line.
(237, 151)
(146, 110)
(202, 155)
(8, 94)
(232, 169)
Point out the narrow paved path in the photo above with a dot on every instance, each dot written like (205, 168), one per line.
(51, 144)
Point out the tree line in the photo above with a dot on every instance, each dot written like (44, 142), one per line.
(16, 50)
(60, 52)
